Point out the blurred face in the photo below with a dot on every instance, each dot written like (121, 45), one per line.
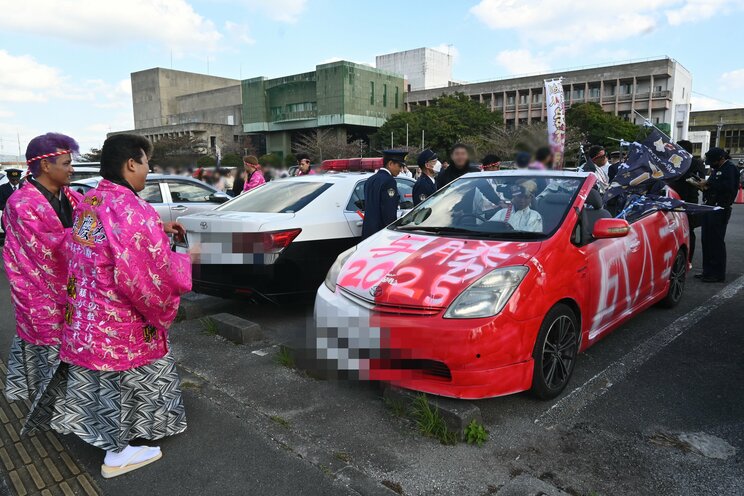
(460, 157)
(249, 168)
(600, 159)
(521, 201)
(395, 168)
(136, 172)
(305, 165)
(13, 180)
(60, 171)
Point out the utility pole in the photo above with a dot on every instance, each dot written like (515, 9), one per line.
(391, 140)
(422, 139)
(719, 126)
(406, 135)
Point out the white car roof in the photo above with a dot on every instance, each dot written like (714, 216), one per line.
(528, 172)
(339, 178)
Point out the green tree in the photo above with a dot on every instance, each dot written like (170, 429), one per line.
(270, 159)
(447, 120)
(598, 127)
(178, 152)
(94, 155)
(290, 160)
(206, 161)
(231, 160)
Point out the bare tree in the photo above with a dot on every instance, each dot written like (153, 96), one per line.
(507, 141)
(325, 144)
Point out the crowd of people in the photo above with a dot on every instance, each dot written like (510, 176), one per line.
(95, 282)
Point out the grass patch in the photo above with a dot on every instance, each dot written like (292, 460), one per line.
(280, 421)
(430, 422)
(393, 486)
(189, 385)
(396, 406)
(209, 326)
(342, 456)
(476, 433)
(285, 357)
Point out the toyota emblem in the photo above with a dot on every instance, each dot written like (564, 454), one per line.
(375, 291)
(203, 225)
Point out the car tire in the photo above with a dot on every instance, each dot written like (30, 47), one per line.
(677, 276)
(555, 352)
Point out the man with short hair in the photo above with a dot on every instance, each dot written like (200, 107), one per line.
(38, 219)
(426, 184)
(460, 156)
(491, 163)
(597, 164)
(522, 160)
(518, 213)
(303, 165)
(718, 190)
(543, 159)
(381, 198)
(688, 191)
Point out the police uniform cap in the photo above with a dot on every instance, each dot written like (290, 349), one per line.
(14, 173)
(715, 154)
(426, 156)
(616, 155)
(398, 156)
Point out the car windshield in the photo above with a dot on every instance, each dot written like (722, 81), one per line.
(502, 207)
(277, 197)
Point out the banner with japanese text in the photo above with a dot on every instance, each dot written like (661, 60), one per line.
(556, 119)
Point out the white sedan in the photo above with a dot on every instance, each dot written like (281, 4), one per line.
(281, 238)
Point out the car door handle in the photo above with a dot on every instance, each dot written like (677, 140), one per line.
(359, 223)
(634, 246)
(179, 208)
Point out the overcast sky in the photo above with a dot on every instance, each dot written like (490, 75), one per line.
(65, 64)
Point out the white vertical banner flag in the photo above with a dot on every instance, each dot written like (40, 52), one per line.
(556, 119)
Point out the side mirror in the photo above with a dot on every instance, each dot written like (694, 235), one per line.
(406, 205)
(215, 198)
(610, 228)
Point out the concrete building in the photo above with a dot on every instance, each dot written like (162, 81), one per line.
(170, 103)
(351, 99)
(700, 142)
(659, 89)
(423, 68)
(726, 128)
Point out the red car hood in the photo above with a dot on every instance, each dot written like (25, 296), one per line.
(416, 270)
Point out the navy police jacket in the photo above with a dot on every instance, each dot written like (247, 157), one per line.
(380, 202)
(423, 189)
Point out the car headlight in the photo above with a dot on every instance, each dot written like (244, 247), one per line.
(335, 270)
(488, 295)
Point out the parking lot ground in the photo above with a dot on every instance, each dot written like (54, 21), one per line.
(655, 408)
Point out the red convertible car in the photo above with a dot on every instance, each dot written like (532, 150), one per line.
(494, 284)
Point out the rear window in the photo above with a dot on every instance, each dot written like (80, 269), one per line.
(277, 197)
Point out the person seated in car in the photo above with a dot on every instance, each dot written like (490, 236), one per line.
(518, 213)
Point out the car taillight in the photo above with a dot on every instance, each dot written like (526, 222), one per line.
(266, 242)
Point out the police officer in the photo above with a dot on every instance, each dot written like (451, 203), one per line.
(616, 160)
(381, 197)
(426, 184)
(718, 190)
(7, 189)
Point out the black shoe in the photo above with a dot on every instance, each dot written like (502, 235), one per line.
(713, 279)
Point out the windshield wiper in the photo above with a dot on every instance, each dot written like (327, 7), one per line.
(471, 232)
(436, 229)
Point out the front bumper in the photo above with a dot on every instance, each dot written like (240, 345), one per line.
(462, 358)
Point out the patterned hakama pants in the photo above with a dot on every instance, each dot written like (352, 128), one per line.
(108, 409)
(30, 367)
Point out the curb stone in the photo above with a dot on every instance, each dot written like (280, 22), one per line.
(237, 329)
(457, 414)
(195, 305)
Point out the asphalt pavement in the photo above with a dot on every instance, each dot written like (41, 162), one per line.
(654, 408)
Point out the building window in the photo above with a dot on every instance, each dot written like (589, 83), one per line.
(658, 88)
(371, 92)
(510, 100)
(594, 92)
(351, 79)
(523, 98)
(610, 90)
(396, 97)
(579, 93)
(384, 95)
(626, 88)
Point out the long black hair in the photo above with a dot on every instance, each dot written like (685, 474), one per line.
(117, 150)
